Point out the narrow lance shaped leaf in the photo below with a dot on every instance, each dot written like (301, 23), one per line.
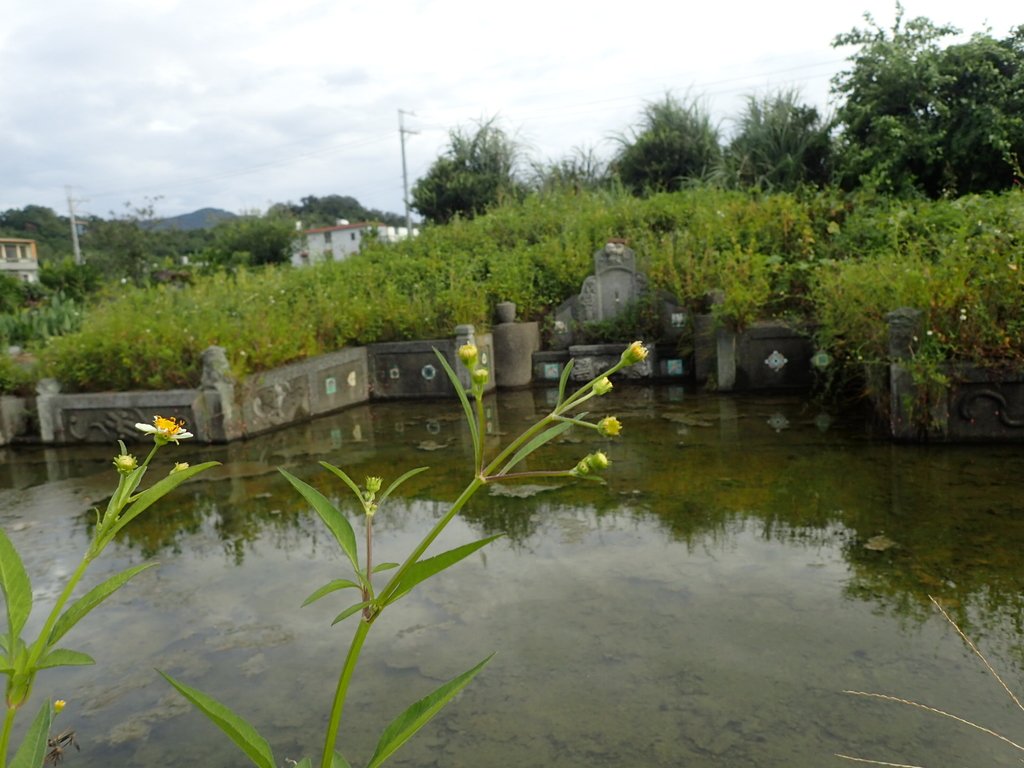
(328, 588)
(470, 418)
(564, 380)
(349, 611)
(17, 587)
(81, 607)
(237, 729)
(391, 488)
(347, 480)
(32, 751)
(336, 523)
(544, 437)
(338, 761)
(403, 727)
(424, 569)
(151, 495)
(61, 657)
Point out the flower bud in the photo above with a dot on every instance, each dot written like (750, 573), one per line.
(373, 484)
(58, 706)
(634, 353)
(598, 461)
(126, 463)
(179, 466)
(609, 426)
(602, 386)
(480, 376)
(468, 355)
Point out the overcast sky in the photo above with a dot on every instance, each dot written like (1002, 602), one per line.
(239, 105)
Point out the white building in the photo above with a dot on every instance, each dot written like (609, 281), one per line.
(18, 259)
(339, 242)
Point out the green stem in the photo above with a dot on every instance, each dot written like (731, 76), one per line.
(481, 430)
(467, 493)
(342, 692)
(44, 636)
(5, 736)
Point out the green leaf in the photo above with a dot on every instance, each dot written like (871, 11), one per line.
(461, 392)
(326, 589)
(32, 751)
(238, 730)
(384, 567)
(403, 727)
(336, 522)
(151, 495)
(303, 763)
(339, 761)
(424, 569)
(348, 480)
(16, 587)
(81, 607)
(349, 611)
(564, 379)
(61, 657)
(544, 437)
(399, 481)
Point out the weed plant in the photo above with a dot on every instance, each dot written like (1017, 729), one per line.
(840, 261)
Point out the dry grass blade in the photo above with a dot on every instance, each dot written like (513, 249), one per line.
(979, 654)
(943, 713)
(908, 702)
(876, 762)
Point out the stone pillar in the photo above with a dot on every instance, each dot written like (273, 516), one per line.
(514, 345)
(216, 406)
(46, 392)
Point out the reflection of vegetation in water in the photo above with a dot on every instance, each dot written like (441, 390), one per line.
(700, 468)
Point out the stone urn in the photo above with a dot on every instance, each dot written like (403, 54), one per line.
(506, 311)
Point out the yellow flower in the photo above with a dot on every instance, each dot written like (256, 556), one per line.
(167, 430)
(602, 386)
(634, 353)
(468, 354)
(58, 706)
(179, 466)
(609, 426)
(126, 463)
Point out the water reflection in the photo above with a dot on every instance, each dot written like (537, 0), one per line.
(706, 607)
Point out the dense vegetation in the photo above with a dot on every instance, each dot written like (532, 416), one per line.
(910, 197)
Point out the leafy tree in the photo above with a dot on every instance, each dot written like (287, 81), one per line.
(780, 144)
(251, 240)
(476, 172)
(122, 247)
(315, 211)
(581, 170)
(917, 117)
(675, 143)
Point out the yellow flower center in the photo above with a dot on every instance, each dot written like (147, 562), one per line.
(169, 427)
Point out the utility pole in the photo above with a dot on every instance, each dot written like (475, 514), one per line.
(402, 130)
(74, 226)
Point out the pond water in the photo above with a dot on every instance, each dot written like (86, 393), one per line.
(748, 561)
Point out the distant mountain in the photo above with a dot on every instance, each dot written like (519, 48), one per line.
(204, 218)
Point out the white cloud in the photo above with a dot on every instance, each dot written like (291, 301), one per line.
(238, 105)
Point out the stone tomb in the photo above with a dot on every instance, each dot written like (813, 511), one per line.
(614, 285)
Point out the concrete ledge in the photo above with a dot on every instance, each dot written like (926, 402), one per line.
(410, 369)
